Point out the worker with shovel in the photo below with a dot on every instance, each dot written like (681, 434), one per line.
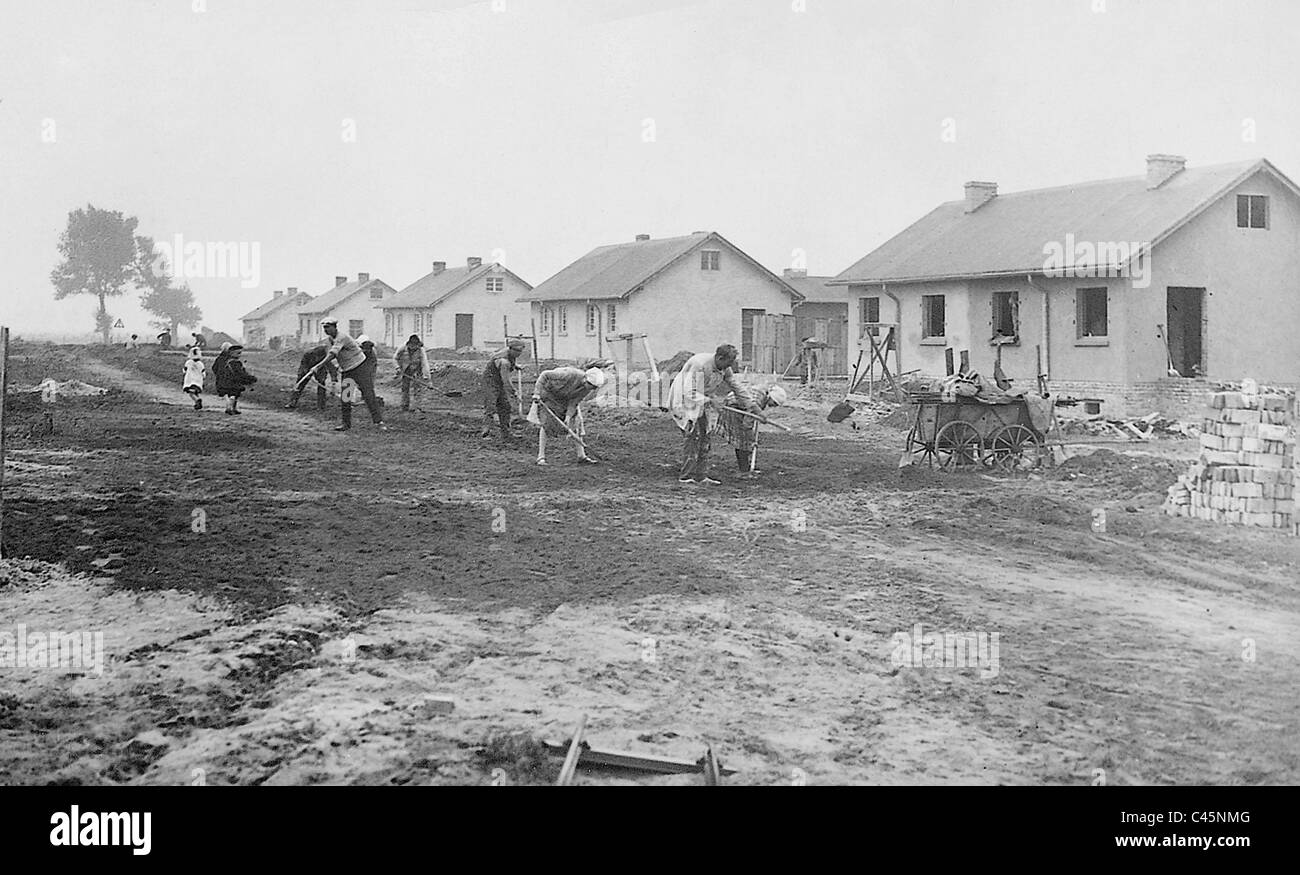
(742, 431)
(499, 399)
(556, 411)
(357, 372)
(413, 368)
(704, 381)
(313, 362)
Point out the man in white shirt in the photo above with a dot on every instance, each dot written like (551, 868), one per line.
(704, 382)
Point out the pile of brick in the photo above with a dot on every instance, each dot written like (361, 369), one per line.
(1246, 471)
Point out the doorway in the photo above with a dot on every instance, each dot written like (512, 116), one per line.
(1185, 330)
(464, 330)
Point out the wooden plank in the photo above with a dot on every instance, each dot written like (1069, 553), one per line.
(642, 762)
(575, 751)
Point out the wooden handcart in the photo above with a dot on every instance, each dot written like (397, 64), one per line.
(969, 433)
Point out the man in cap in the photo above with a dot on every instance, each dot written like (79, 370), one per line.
(706, 380)
(314, 362)
(742, 431)
(412, 366)
(500, 401)
(556, 399)
(353, 367)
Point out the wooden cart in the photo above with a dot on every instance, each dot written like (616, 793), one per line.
(967, 432)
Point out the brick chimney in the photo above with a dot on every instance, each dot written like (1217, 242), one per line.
(340, 280)
(1161, 167)
(979, 193)
(439, 266)
(293, 291)
(275, 294)
(641, 238)
(363, 277)
(796, 273)
(473, 262)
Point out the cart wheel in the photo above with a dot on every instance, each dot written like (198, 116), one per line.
(1014, 448)
(957, 443)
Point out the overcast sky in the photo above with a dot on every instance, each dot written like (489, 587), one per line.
(544, 128)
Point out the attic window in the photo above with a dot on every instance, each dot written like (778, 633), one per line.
(1006, 317)
(710, 259)
(1252, 211)
(377, 293)
(496, 284)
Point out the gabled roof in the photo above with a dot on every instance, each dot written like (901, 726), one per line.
(337, 295)
(1007, 234)
(617, 270)
(275, 304)
(816, 291)
(434, 288)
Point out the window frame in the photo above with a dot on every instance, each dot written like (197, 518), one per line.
(1012, 297)
(377, 293)
(544, 313)
(611, 316)
(562, 322)
(927, 303)
(593, 319)
(496, 284)
(711, 259)
(1082, 295)
(866, 303)
(356, 328)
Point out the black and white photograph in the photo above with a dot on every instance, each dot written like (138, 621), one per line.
(651, 393)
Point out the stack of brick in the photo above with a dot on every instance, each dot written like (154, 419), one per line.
(1246, 471)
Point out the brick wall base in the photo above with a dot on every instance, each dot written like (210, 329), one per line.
(1172, 398)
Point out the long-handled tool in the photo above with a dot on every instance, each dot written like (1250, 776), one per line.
(571, 432)
(1169, 356)
(307, 376)
(575, 751)
(762, 419)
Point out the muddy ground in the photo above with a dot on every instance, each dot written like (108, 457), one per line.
(280, 603)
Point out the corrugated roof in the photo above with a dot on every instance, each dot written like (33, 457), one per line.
(815, 290)
(337, 295)
(616, 270)
(434, 288)
(272, 305)
(1007, 234)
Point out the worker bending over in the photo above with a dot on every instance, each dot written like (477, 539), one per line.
(556, 411)
(704, 382)
(742, 431)
(500, 402)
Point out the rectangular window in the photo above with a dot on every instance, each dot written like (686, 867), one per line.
(356, 327)
(710, 259)
(377, 293)
(871, 313)
(593, 318)
(932, 316)
(612, 313)
(399, 324)
(496, 284)
(1006, 315)
(563, 323)
(1090, 320)
(545, 313)
(388, 325)
(1252, 211)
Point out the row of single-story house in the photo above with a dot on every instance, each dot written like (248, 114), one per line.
(1129, 291)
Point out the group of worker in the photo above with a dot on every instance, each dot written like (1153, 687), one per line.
(705, 396)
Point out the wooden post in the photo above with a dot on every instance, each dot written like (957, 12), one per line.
(4, 386)
(533, 324)
(947, 361)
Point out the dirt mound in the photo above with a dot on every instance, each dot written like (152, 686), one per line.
(453, 378)
(674, 364)
(1125, 475)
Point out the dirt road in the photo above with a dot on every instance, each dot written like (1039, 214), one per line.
(337, 581)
